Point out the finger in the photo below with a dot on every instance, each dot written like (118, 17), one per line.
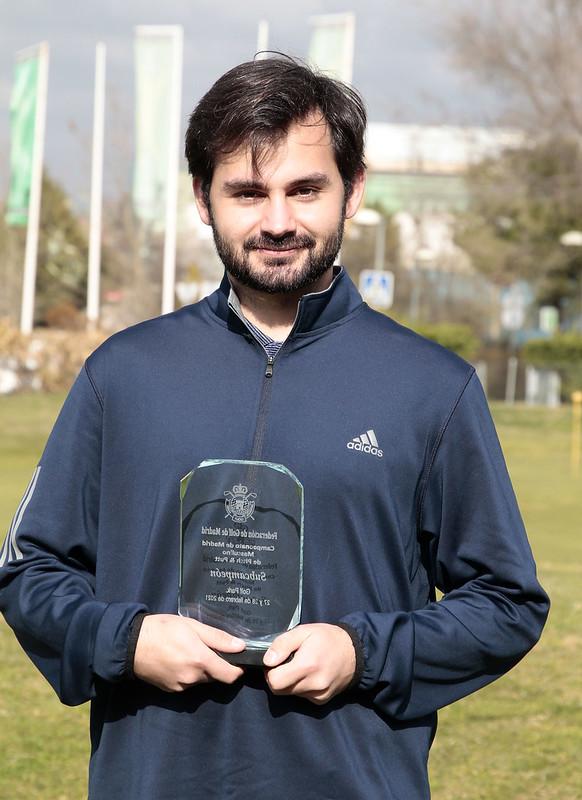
(298, 674)
(217, 639)
(285, 644)
(218, 669)
(280, 681)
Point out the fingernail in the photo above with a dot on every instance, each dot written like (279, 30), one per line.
(270, 658)
(237, 642)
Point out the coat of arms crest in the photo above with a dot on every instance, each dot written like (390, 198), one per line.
(240, 503)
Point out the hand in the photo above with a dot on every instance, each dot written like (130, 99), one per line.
(175, 652)
(323, 663)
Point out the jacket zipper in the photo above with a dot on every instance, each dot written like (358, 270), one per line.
(265, 399)
(264, 404)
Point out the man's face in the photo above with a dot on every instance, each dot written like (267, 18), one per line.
(279, 231)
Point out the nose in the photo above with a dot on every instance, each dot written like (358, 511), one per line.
(278, 218)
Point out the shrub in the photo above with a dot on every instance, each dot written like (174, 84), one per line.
(458, 338)
(563, 352)
(47, 359)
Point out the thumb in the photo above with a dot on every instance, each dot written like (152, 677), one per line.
(285, 645)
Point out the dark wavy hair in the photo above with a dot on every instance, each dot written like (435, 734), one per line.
(253, 105)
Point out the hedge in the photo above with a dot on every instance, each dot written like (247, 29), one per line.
(563, 353)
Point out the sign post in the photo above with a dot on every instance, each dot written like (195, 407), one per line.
(377, 287)
(576, 431)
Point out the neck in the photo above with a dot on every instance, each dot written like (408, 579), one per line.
(275, 314)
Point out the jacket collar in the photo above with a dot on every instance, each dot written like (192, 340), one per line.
(315, 311)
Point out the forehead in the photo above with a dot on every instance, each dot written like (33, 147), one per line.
(306, 147)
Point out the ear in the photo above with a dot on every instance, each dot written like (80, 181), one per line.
(201, 201)
(356, 194)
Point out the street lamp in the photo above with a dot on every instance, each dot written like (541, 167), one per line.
(369, 218)
(423, 258)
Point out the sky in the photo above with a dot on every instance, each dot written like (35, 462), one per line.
(402, 66)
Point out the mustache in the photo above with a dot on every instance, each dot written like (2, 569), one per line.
(286, 242)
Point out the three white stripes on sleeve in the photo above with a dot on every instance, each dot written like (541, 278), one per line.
(10, 550)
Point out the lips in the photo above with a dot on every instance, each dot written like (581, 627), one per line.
(288, 245)
(270, 250)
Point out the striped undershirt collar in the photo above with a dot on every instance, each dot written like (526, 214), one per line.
(270, 346)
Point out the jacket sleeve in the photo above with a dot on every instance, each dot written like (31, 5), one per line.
(47, 562)
(493, 608)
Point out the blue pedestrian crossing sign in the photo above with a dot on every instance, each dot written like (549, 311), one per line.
(377, 287)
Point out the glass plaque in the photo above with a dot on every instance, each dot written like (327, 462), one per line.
(241, 552)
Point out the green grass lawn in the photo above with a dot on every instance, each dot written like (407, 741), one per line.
(519, 739)
(43, 745)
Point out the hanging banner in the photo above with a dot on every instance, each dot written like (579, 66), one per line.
(154, 79)
(331, 48)
(22, 121)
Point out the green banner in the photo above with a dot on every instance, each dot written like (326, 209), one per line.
(22, 121)
(331, 45)
(153, 92)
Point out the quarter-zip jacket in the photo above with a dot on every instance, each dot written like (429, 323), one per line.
(95, 541)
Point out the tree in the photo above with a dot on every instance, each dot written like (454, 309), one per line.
(523, 202)
(135, 256)
(520, 205)
(11, 255)
(530, 51)
(62, 262)
(62, 256)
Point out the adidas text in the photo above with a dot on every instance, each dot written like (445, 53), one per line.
(365, 448)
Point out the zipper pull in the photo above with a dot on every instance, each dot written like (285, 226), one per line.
(269, 369)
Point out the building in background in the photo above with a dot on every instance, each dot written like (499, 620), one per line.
(421, 168)
(417, 174)
(417, 177)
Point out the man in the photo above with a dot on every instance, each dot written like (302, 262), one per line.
(405, 490)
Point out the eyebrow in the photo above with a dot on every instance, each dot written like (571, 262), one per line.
(317, 178)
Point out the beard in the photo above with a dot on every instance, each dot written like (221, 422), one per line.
(280, 275)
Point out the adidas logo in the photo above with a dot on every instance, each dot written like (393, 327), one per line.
(367, 443)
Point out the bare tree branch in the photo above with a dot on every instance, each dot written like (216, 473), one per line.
(531, 51)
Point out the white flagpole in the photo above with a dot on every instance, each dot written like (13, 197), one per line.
(169, 275)
(31, 248)
(94, 269)
(262, 39)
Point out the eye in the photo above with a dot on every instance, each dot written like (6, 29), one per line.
(306, 191)
(247, 194)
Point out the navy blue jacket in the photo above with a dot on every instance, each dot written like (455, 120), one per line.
(95, 541)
